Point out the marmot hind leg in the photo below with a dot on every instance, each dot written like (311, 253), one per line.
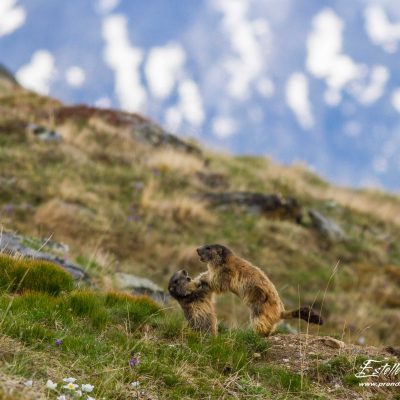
(263, 325)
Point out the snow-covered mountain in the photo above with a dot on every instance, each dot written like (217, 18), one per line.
(317, 81)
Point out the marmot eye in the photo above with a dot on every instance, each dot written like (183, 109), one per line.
(188, 279)
(208, 248)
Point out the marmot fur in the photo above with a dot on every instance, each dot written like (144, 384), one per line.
(227, 272)
(196, 301)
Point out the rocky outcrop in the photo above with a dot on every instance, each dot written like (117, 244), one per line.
(44, 134)
(269, 205)
(154, 135)
(15, 244)
(142, 129)
(138, 285)
(213, 180)
(327, 228)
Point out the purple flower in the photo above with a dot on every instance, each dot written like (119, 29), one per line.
(58, 342)
(134, 361)
(138, 185)
(8, 208)
(133, 218)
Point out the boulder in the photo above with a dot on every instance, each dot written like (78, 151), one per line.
(269, 205)
(327, 228)
(44, 134)
(15, 244)
(330, 342)
(152, 134)
(139, 285)
(213, 180)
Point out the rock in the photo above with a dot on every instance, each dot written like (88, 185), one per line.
(44, 134)
(142, 128)
(393, 351)
(15, 244)
(269, 205)
(329, 229)
(139, 285)
(154, 135)
(213, 180)
(330, 342)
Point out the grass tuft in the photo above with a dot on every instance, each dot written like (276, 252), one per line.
(19, 275)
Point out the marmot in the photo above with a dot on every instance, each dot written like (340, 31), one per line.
(196, 300)
(227, 272)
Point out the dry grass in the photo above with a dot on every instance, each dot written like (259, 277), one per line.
(68, 220)
(176, 161)
(302, 181)
(179, 208)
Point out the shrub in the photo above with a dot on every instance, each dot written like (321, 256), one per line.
(19, 275)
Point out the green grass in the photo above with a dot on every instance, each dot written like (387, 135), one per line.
(17, 275)
(101, 332)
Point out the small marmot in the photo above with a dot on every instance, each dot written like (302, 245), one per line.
(227, 272)
(196, 301)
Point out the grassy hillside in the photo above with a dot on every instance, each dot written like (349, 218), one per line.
(123, 200)
(110, 340)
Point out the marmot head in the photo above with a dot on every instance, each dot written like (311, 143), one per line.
(177, 285)
(213, 253)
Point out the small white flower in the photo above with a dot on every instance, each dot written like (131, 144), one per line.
(51, 385)
(62, 397)
(70, 386)
(135, 384)
(90, 398)
(69, 380)
(78, 393)
(87, 387)
(29, 383)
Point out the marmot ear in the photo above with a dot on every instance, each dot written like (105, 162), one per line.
(223, 252)
(184, 272)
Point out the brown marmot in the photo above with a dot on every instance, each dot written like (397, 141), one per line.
(227, 272)
(196, 300)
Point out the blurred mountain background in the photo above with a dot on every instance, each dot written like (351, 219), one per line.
(316, 82)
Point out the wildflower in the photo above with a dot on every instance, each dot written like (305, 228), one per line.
(134, 361)
(135, 384)
(90, 398)
(78, 393)
(70, 386)
(51, 385)
(69, 380)
(8, 208)
(29, 383)
(62, 397)
(87, 387)
(58, 342)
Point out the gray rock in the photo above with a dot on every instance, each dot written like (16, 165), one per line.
(138, 285)
(330, 342)
(269, 205)
(15, 244)
(154, 135)
(329, 229)
(44, 134)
